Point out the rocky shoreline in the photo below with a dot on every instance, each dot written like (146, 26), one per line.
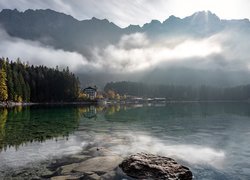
(13, 104)
(10, 104)
(92, 163)
(100, 163)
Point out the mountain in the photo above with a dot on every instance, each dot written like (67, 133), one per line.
(59, 30)
(109, 55)
(65, 32)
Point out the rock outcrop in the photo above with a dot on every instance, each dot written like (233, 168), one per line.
(149, 166)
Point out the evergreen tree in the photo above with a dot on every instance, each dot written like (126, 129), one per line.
(10, 84)
(17, 86)
(37, 83)
(24, 93)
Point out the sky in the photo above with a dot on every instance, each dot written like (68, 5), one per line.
(123, 12)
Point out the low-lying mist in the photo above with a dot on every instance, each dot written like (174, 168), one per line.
(221, 59)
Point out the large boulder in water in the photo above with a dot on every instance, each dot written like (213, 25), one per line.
(149, 166)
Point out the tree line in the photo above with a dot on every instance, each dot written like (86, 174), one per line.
(20, 82)
(172, 92)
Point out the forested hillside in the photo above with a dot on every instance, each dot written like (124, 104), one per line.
(171, 92)
(21, 82)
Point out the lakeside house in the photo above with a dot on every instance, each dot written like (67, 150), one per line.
(91, 92)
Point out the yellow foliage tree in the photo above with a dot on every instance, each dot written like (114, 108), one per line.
(111, 94)
(3, 85)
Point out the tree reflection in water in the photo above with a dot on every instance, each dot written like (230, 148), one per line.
(31, 124)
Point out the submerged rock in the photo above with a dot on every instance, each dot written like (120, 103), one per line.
(67, 169)
(93, 177)
(149, 166)
(47, 174)
(100, 151)
(109, 175)
(99, 165)
(67, 177)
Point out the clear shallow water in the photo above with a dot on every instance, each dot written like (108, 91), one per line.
(210, 138)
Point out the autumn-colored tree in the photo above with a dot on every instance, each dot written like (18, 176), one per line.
(3, 85)
(111, 94)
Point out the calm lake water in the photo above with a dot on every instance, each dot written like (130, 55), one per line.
(213, 139)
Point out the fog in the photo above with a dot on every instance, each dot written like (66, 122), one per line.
(214, 60)
(36, 53)
(218, 60)
(137, 53)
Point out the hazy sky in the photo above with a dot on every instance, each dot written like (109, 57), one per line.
(125, 12)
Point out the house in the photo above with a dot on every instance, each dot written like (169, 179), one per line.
(90, 92)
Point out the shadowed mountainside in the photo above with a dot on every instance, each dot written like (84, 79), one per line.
(65, 32)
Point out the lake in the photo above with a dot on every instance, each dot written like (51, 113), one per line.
(212, 139)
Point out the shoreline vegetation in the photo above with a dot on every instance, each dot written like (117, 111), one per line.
(22, 84)
(14, 104)
(180, 92)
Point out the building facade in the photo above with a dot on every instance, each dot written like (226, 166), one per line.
(90, 92)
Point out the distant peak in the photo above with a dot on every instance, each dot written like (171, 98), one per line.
(9, 10)
(154, 21)
(134, 26)
(96, 19)
(201, 12)
(171, 19)
(204, 15)
(45, 11)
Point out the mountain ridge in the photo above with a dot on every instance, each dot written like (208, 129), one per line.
(64, 32)
(199, 13)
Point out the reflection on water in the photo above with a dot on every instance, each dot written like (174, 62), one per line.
(193, 154)
(212, 139)
(22, 125)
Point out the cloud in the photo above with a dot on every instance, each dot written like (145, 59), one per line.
(137, 57)
(124, 12)
(133, 41)
(38, 54)
(227, 51)
(136, 52)
(133, 53)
